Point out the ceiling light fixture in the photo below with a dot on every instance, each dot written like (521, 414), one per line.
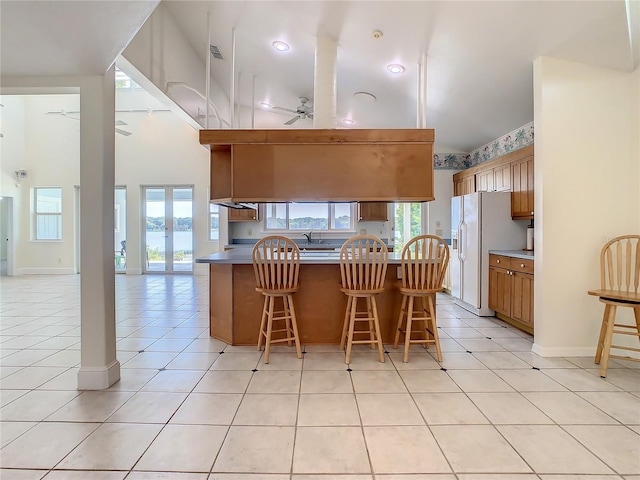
(266, 106)
(364, 97)
(280, 46)
(348, 122)
(395, 68)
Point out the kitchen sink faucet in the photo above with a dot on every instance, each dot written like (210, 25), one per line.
(308, 235)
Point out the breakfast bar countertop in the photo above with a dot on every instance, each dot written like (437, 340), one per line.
(524, 254)
(239, 256)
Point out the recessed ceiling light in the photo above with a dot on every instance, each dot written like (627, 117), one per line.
(348, 121)
(266, 106)
(395, 68)
(280, 46)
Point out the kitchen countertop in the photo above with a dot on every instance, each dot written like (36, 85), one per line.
(527, 255)
(243, 256)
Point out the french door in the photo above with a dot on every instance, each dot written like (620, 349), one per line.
(168, 231)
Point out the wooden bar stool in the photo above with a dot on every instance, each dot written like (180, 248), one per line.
(619, 287)
(424, 263)
(363, 268)
(276, 263)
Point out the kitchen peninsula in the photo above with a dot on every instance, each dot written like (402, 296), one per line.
(318, 165)
(235, 308)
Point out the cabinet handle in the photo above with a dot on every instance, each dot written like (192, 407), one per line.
(497, 261)
(522, 265)
(531, 213)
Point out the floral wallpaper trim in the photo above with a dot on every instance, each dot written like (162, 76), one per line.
(520, 137)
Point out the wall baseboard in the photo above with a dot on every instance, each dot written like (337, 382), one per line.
(563, 351)
(134, 271)
(45, 271)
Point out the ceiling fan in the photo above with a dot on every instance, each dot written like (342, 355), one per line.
(62, 112)
(302, 111)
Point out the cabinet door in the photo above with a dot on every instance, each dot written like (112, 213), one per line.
(500, 290)
(522, 300)
(484, 181)
(522, 189)
(469, 185)
(372, 212)
(243, 215)
(502, 178)
(458, 188)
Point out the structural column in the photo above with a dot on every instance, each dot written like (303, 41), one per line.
(99, 367)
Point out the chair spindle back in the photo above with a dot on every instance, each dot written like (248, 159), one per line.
(424, 263)
(620, 264)
(276, 263)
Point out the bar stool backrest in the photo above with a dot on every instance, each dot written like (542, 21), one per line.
(424, 263)
(363, 263)
(276, 263)
(620, 264)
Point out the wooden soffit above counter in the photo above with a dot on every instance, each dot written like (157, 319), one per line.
(251, 166)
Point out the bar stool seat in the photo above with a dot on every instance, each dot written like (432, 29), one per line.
(276, 263)
(423, 265)
(363, 267)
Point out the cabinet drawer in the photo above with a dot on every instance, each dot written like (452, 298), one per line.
(499, 261)
(522, 265)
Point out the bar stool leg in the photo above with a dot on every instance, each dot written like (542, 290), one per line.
(263, 321)
(399, 325)
(407, 332)
(434, 326)
(345, 324)
(377, 326)
(352, 322)
(287, 319)
(607, 341)
(267, 347)
(294, 324)
(372, 333)
(603, 331)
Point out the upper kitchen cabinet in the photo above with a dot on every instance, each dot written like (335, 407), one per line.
(511, 172)
(522, 188)
(464, 183)
(320, 165)
(372, 212)
(244, 215)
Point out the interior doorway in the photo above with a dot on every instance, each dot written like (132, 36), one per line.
(6, 236)
(168, 230)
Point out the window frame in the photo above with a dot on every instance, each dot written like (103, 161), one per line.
(36, 215)
(330, 219)
(212, 215)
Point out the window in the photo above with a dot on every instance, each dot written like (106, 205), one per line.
(408, 223)
(48, 213)
(214, 222)
(309, 216)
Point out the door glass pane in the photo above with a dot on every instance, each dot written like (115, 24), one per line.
(120, 229)
(182, 230)
(155, 230)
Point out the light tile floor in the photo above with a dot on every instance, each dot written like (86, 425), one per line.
(189, 407)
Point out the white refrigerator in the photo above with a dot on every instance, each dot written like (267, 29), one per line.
(480, 222)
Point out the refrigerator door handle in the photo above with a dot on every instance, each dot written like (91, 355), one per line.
(461, 240)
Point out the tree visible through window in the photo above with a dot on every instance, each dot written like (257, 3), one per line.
(309, 216)
(48, 213)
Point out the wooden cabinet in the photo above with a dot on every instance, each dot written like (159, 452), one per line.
(522, 188)
(373, 212)
(243, 215)
(484, 181)
(463, 184)
(511, 290)
(502, 178)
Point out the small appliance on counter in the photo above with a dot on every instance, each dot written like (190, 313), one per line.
(529, 247)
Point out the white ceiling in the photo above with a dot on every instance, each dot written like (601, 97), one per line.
(479, 54)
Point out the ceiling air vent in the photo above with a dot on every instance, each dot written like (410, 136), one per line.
(215, 51)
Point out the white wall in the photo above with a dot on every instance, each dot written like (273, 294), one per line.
(162, 150)
(587, 184)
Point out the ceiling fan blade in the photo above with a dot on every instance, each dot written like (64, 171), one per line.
(123, 132)
(310, 115)
(284, 109)
(292, 121)
(120, 123)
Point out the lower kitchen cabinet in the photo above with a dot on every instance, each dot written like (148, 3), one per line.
(511, 290)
